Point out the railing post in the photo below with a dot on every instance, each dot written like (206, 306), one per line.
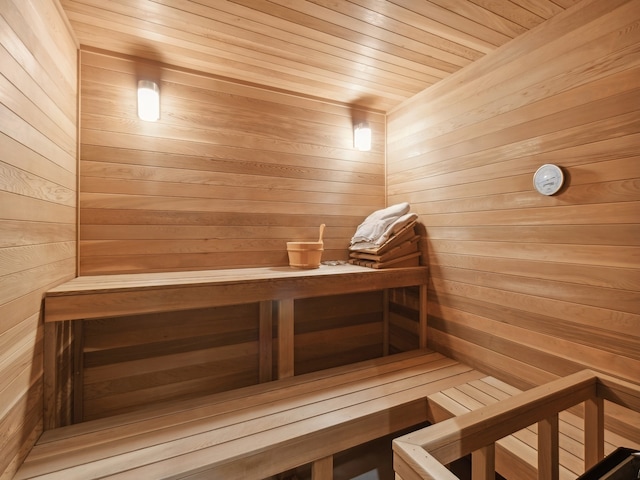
(548, 449)
(593, 431)
(483, 463)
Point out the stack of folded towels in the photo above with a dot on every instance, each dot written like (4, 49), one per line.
(387, 238)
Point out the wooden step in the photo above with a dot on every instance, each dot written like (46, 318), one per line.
(254, 432)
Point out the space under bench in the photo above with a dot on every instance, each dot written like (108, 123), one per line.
(69, 306)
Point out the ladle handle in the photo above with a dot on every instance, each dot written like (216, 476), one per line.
(321, 233)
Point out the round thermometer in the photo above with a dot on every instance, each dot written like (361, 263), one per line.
(548, 179)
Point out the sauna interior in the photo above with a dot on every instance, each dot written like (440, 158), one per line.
(254, 147)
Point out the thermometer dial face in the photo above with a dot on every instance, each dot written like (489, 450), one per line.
(548, 179)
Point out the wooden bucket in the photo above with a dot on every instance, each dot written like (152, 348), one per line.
(305, 254)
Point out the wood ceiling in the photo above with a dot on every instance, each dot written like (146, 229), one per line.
(369, 53)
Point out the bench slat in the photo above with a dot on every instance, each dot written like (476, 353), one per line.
(248, 411)
(260, 431)
(104, 296)
(270, 391)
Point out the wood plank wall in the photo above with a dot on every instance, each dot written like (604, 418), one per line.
(38, 118)
(224, 179)
(524, 286)
(132, 361)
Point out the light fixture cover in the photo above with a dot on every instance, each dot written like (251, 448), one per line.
(148, 100)
(362, 137)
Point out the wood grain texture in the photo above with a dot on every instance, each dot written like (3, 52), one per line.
(257, 431)
(38, 119)
(144, 351)
(365, 53)
(541, 440)
(103, 296)
(524, 286)
(228, 175)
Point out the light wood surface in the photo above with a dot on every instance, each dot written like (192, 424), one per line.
(527, 287)
(254, 432)
(221, 333)
(104, 296)
(365, 53)
(557, 448)
(227, 176)
(38, 145)
(523, 444)
(508, 265)
(132, 360)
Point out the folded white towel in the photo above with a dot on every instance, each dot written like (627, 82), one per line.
(393, 228)
(378, 222)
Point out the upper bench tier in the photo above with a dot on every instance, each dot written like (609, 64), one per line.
(103, 296)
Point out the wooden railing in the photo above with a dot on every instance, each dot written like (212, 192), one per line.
(424, 453)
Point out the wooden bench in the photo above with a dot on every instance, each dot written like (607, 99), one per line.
(256, 431)
(516, 456)
(84, 299)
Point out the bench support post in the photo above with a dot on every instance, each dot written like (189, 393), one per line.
(61, 351)
(422, 328)
(385, 322)
(50, 375)
(78, 371)
(285, 338)
(265, 365)
(322, 469)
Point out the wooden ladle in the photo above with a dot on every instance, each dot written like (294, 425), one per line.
(321, 233)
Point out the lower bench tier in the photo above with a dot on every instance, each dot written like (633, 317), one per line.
(265, 429)
(254, 432)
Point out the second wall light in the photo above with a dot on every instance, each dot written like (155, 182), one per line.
(362, 137)
(148, 100)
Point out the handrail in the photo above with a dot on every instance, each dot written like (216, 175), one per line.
(423, 454)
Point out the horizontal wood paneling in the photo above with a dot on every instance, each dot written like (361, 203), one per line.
(228, 175)
(366, 52)
(528, 287)
(131, 361)
(38, 118)
(337, 330)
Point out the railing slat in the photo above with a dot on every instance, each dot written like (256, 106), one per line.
(483, 463)
(422, 454)
(548, 448)
(593, 431)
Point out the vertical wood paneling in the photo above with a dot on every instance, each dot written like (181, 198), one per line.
(38, 117)
(224, 179)
(524, 286)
